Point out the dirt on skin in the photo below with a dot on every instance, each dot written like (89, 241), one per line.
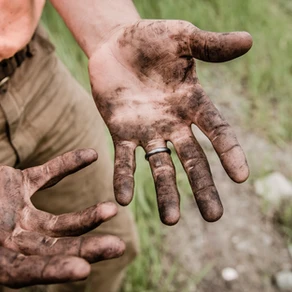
(246, 237)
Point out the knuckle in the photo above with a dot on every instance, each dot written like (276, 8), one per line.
(194, 163)
(123, 167)
(51, 225)
(163, 169)
(186, 25)
(121, 177)
(202, 189)
(223, 129)
(229, 149)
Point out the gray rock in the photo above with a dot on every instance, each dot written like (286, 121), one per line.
(274, 187)
(229, 274)
(283, 280)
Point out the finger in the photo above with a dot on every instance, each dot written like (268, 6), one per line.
(125, 166)
(71, 224)
(53, 171)
(223, 139)
(219, 47)
(91, 248)
(198, 171)
(17, 270)
(168, 200)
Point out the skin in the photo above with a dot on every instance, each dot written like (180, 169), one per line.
(18, 21)
(145, 85)
(49, 244)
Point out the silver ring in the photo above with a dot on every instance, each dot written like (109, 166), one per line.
(4, 80)
(157, 150)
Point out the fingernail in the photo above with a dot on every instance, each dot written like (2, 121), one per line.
(107, 210)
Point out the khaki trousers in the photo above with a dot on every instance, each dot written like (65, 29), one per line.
(44, 112)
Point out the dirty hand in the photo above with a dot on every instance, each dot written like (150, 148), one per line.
(145, 86)
(34, 247)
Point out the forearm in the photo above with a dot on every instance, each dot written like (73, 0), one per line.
(91, 21)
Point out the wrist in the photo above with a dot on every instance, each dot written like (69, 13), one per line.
(93, 21)
(95, 41)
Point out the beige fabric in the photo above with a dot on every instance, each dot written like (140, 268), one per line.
(44, 112)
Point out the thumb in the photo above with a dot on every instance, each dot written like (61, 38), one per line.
(219, 47)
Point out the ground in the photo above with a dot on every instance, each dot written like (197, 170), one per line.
(246, 238)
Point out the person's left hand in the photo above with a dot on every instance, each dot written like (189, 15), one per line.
(145, 85)
(18, 270)
(48, 241)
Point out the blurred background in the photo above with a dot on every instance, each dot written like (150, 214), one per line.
(250, 248)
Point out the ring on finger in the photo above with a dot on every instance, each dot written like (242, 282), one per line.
(157, 150)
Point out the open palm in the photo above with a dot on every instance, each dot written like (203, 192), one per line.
(145, 86)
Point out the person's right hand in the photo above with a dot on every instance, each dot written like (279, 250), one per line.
(50, 242)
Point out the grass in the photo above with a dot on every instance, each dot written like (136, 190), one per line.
(283, 217)
(264, 76)
(265, 72)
